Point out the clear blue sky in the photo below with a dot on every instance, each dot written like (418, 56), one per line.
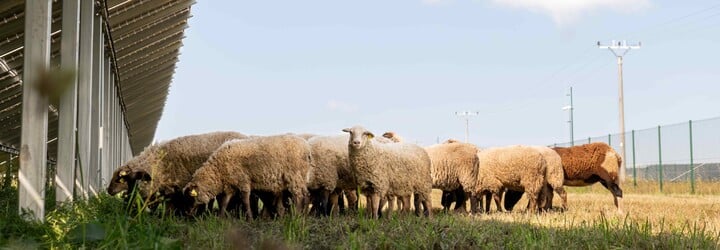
(268, 67)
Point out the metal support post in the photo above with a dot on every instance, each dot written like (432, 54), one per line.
(33, 138)
(67, 111)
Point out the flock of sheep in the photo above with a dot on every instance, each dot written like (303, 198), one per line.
(317, 174)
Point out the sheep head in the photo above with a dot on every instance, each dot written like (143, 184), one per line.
(124, 179)
(359, 137)
(449, 141)
(119, 181)
(392, 136)
(197, 194)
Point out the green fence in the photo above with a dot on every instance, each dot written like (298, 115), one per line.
(683, 152)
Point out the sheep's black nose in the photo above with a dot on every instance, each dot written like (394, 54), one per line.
(356, 142)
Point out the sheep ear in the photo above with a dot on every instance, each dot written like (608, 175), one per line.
(346, 130)
(122, 173)
(370, 135)
(193, 193)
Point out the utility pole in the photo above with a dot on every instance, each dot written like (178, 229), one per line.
(466, 115)
(619, 49)
(570, 121)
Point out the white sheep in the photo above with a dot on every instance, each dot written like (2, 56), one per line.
(166, 167)
(397, 169)
(518, 168)
(270, 164)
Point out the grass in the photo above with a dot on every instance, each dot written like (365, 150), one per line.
(652, 221)
(653, 187)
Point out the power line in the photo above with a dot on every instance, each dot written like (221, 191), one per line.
(656, 27)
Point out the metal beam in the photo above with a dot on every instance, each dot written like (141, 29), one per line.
(160, 41)
(105, 166)
(158, 65)
(153, 27)
(33, 152)
(65, 177)
(95, 107)
(143, 41)
(151, 54)
(134, 9)
(87, 13)
(171, 7)
(112, 123)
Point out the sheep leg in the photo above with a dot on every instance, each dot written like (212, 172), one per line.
(333, 202)
(279, 201)
(325, 202)
(399, 203)
(511, 199)
(487, 197)
(383, 200)
(563, 195)
(446, 200)
(416, 204)
(532, 201)
(618, 204)
(268, 205)
(316, 199)
(406, 204)
(473, 202)
(546, 197)
(391, 206)
(496, 196)
(254, 204)
(369, 206)
(339, 201)
(461, 200)
(427, 203)
(246, 204)
(223, 204)
(374, 204)
(352, 199)
(616, 192)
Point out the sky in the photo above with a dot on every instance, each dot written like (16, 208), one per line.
(271, 67)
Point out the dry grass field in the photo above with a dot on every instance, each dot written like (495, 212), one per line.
(673, 209)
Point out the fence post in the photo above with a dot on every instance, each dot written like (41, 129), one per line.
(589, 140)
(610, 139)
(692, 163)
(660, 166)
(633, 154)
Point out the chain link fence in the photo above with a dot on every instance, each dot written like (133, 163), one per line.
(683, 152)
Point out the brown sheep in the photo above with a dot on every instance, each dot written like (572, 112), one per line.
(587, 164)
(271, 164)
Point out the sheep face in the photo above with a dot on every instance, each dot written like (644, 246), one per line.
(124, 179)
(119, 181)
(194, 192)
(359, 137)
